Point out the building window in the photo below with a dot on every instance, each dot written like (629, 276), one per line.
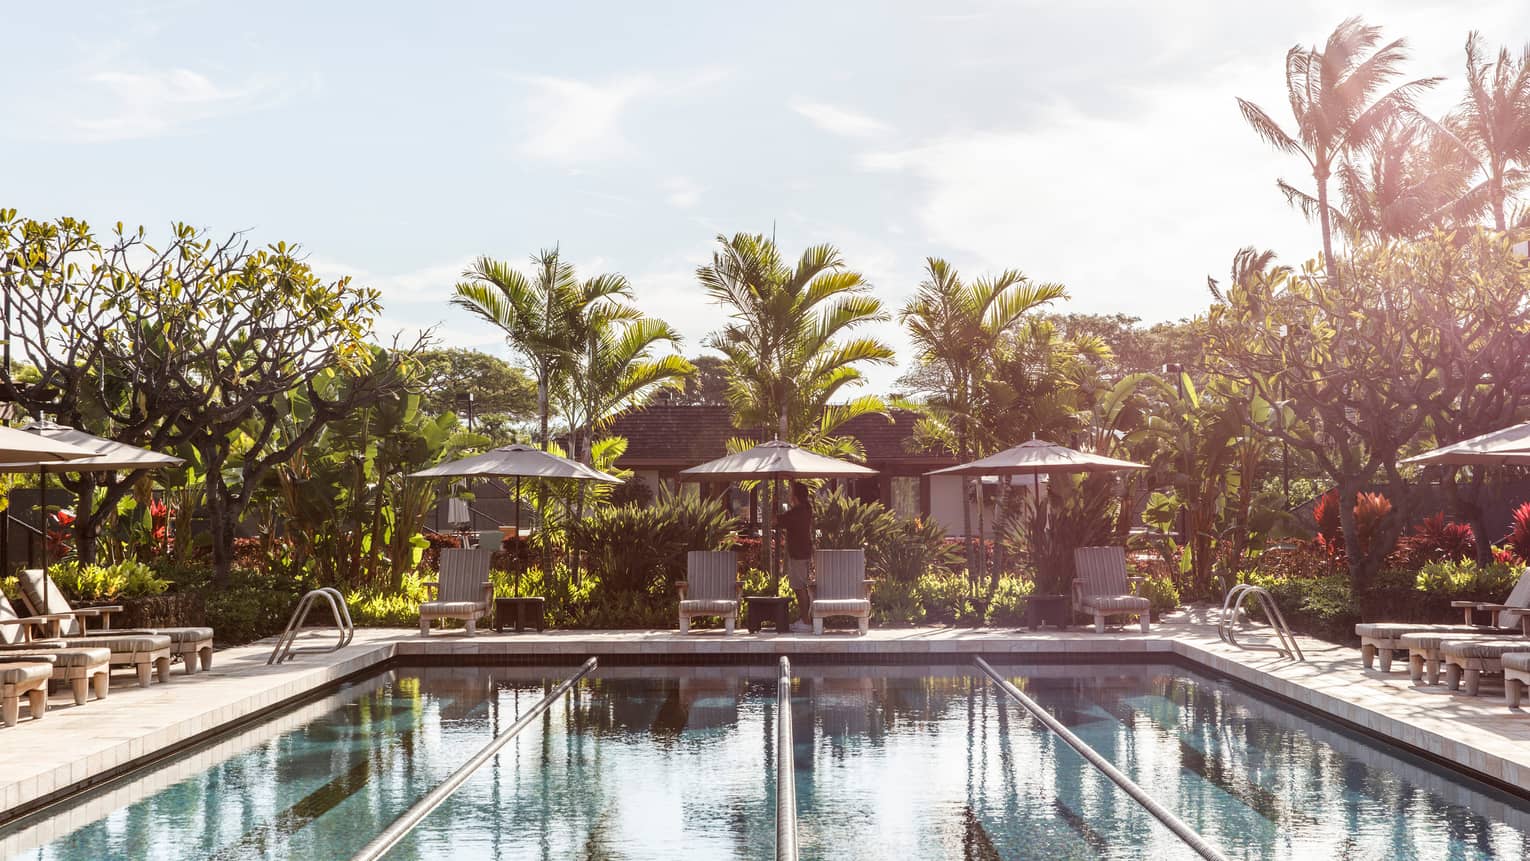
(905, 496)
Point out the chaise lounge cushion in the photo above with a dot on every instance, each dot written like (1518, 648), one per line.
(449, 609)
(1490, 649)
(700, 607)
(1393, 630)
(841, 606)
(1111, 603)
(65, 657)
(30, 671)
(183, 635)
(131, 644)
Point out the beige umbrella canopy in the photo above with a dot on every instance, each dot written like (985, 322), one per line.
(17, 446)
(775, 459)
(1509, 446)
(517, 461)
(102, 455)
(772, 461)
(1034, 457)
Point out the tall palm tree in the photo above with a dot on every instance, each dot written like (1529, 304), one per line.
(1492, 124)
(1409, 181)
(1337, 100)
(616, 370)
(542, 316)
(956, 328)
(788, 344)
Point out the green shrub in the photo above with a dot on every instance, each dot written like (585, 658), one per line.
(641, 551)
(126, 579)
(947, 599)
(848, 523)
(1324, 607)
(1161, 591)
(252, 604)
(1465, 580)
(1006, 607)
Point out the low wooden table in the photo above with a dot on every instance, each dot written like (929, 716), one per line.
(524, 611)
(759, 609)
(1046, 610)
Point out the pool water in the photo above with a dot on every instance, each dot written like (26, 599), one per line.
(891, 762)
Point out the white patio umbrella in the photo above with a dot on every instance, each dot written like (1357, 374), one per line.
(20, 447)
(774, 461)
(1505, 447)
(103, 455)
(517, 461)
(1034, 457)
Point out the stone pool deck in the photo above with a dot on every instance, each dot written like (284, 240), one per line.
(73, 747)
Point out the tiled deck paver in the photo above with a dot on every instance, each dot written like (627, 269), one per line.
(74, 744)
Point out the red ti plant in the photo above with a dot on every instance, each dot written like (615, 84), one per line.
(1330, 536)
(1439, 540)
(1518, 539)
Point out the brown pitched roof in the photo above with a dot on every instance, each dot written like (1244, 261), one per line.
(673, 435)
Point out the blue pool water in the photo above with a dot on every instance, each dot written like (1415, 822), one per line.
(891, 762)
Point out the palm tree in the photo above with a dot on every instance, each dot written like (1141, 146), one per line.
(787, 346)
(956, 328)
(1334, 99)
(616, 370)
(1408, 182)
(1493, 126)
(543, 316)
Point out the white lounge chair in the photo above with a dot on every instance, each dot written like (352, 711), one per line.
(462, 591)
(840, 588)
(24, 677)
(711, 588)
(146, 654)
(1102, 588)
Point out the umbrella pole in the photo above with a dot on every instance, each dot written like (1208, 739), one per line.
(42, 508)
(520, 562)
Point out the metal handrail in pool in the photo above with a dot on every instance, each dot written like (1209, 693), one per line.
(1232, 605)
(786, 768)
(1161, 813)
(396, 832)
(337, 606)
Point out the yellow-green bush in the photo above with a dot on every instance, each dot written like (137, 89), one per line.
(126, 579)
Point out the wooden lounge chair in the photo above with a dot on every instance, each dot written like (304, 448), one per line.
(711, 588)
(146, 654)
(24, 677)
(840, 588)
(191, 643)
(1423, 642)
(83, 668)
(462, 591)
(1102, 588)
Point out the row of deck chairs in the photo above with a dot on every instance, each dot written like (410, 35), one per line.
(1498, 646)
(58, 645)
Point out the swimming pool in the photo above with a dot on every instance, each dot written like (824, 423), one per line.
(891, 762)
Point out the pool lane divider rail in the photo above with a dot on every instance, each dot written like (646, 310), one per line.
(1195, 841)
(786, 768)
(400, 828)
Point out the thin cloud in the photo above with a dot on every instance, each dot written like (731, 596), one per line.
(840, 121)
(568, 120)
(154, 103)
(682, 192)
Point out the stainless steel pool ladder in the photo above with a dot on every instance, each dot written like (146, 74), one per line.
(1161, 813)
(1232, 608)
(396, 832)
(786, 768)
(343, 624)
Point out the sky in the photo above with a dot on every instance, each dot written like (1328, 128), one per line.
(1094, 144)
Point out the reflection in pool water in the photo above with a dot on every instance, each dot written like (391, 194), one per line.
(892, 762)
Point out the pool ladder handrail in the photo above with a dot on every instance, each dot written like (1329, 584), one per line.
(400, 827)
(1162, 814)
(343, 624)
(786, 768)
(1232, 608)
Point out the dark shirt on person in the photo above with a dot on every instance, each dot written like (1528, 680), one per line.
(798, 523)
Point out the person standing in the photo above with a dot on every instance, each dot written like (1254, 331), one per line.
(798, 523)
